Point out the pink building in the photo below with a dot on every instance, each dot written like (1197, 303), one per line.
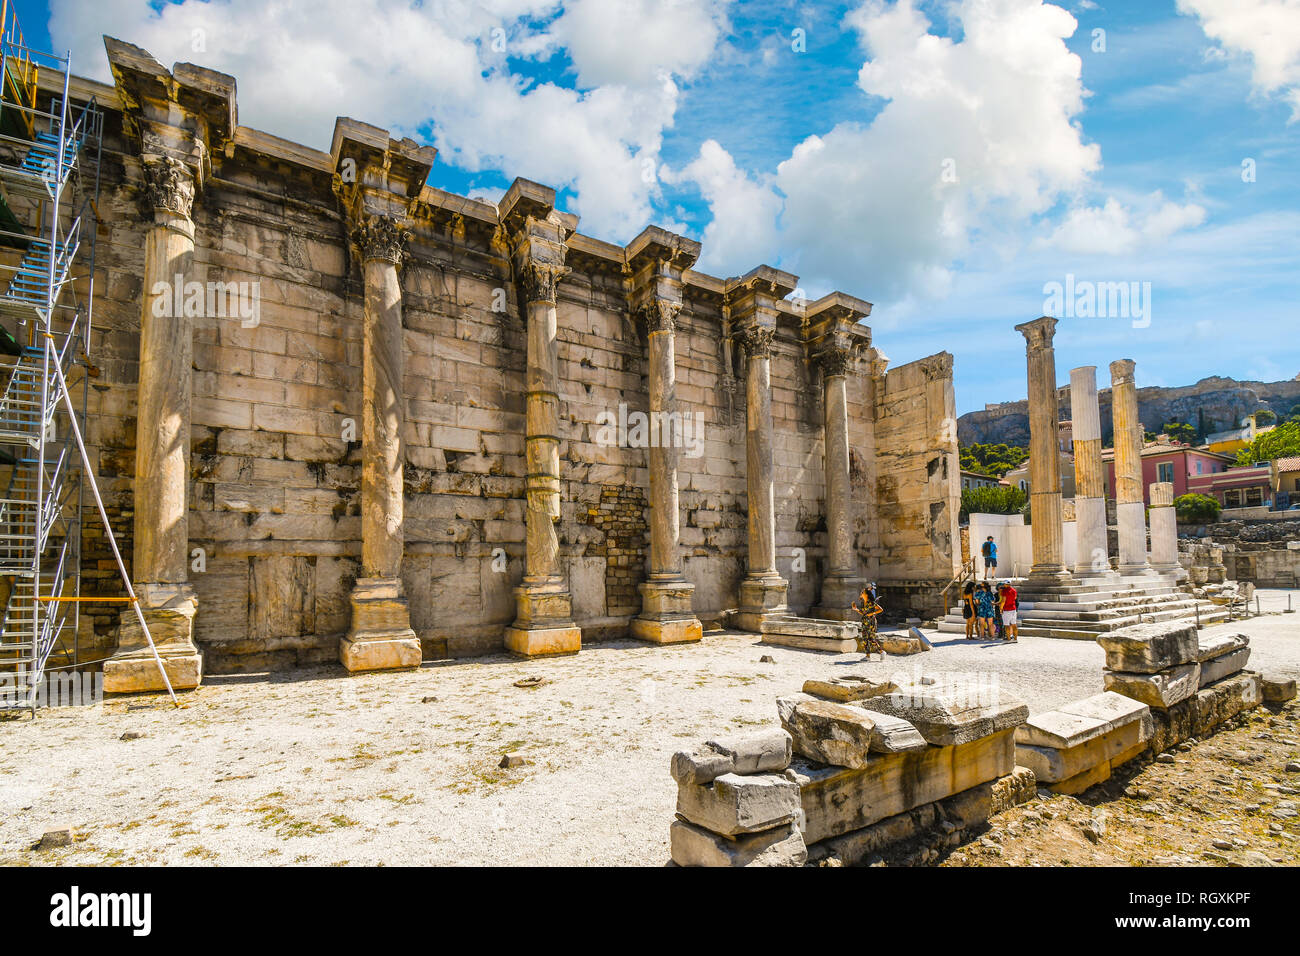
(1170, 461)
(1236, 487)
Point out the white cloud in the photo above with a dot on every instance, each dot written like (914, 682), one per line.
(1267, 30)
(406, 66)
(1115, 229)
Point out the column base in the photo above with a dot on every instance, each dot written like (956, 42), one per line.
(1049, 578)
(838, 594)
(380, 637)
(169, 611)
(544, 623)
(666, 616)
(761, 598)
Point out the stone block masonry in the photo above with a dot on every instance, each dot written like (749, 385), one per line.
(402, 457)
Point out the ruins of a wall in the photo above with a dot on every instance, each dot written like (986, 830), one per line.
(279, 402)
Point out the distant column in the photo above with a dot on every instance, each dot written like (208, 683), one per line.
(842, 582)
(1130, 511)
(1164, 530)
(1089, 479)
(1044, 456)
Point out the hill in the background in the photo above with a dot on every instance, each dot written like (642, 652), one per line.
(1212, 404)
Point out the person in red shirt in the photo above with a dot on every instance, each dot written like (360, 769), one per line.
(1009, 604)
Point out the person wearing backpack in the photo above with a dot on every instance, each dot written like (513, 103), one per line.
(990, 551)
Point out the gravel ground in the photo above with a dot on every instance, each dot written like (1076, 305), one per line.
(315, 766)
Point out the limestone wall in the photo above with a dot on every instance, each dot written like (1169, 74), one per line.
(918, 495)
(274, 500)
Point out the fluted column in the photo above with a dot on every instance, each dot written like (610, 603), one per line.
(160, 548)
(666, 616)
(763, 590)
(842, 582)
(1044, 455)
(544, 606)
(1164, 530)
(381, 637)
(1089, 478)
(1130, 512)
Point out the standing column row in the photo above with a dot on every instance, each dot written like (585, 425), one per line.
(1044, 456)
(1089, 478)
(1130, 511)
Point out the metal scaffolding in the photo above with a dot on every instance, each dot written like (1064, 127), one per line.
(50, 151)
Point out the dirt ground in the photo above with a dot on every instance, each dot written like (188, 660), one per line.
(318, 767)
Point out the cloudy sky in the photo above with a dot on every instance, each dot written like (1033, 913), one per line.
(948, 161)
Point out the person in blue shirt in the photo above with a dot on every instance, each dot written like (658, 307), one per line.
(984, 609)
(990, 552)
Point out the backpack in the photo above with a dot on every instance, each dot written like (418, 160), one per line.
(987, 548)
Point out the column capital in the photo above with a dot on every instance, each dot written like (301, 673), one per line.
(1162, 494)
(380, 237)
(169, 185)
(540, 278)
(660, 315)
(756, 340)
(836, 361)
(1038, 333)
(1121, 372)
(654, 263)
(878, 363)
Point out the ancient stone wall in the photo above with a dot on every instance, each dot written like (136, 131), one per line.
(275, 497)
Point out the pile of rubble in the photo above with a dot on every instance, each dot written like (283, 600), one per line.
(857, 765)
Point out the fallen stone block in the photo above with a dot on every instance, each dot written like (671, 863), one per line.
(1053, 765)
(762, 752)
(893, 735)
(835, 637)
(848, 687)
(1224, 700)
(854, 848)
(1217, 668)
(838, 800)
(1017, 787)
(1158, 691)
(56, 837)
(1150, 648)
(952, 713)
(733, 804)
(1115, 709)
(831, 733)
(902, 645)
(1278, 691)
(918, 634)
(785, 705)
(1209, 648)
(693, 846)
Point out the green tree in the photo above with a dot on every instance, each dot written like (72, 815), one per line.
(991, 501)
(1179, 431)
(1264, 417)
(1281, 442)
(1196, 509)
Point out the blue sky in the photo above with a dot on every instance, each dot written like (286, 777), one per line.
(946, 162)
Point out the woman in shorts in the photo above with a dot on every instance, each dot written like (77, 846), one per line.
(984, 609)
(968, 609)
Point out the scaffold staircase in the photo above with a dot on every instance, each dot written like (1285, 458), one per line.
(49, 184)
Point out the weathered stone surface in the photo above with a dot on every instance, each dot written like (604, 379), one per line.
(1209, 648)
(839, 800)
(733, 804)
(543, 641)
(785, 705)
(1278, 691)
(1077, 722)
(762, 752)
(134, 675)
(1019, 786)
(849, 687)
(693, 846)
(948, 714)
(1161, 690)
(1150, 648)
(893, 735)
(1054, 764)
(1223, 666)
(56, 837)
(837, 637)
(855, 847)
(1200, 715)
(831, 733)
(1114, 709)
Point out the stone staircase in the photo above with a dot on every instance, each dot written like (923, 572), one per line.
(1083, 611)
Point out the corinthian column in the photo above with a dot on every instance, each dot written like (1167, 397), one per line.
(1130, 512)
(1164, 530)
(763, 590)
(656, 260)
(1044, 455)
(162, 459)
(380, 637)
(1089, 479)
(544, 622)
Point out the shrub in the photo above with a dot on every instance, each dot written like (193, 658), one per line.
(1196, 509)
(991, 501)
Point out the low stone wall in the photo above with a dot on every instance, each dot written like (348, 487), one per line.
(867, 764)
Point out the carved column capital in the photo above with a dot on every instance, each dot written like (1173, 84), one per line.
(836, 361)
(169, 185)
(380, 237)
(540, 279)
(660, 315)
(756, 340)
